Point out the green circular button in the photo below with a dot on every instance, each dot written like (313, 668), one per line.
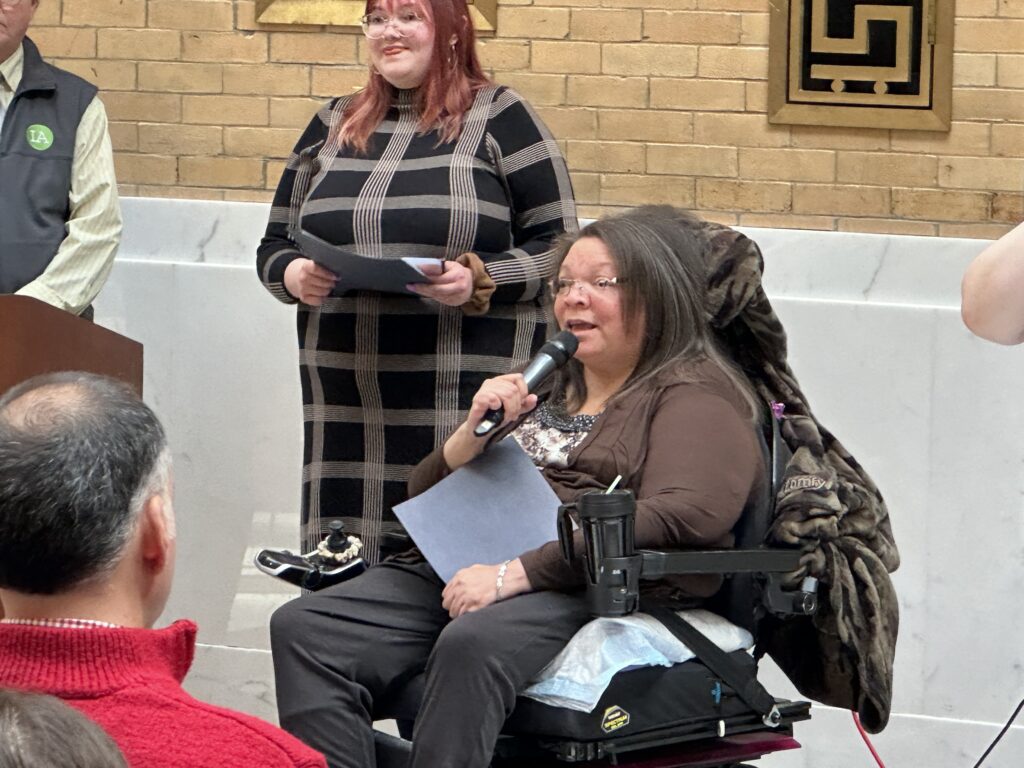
(39, 137)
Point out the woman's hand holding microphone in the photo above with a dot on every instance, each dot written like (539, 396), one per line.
(508, 392)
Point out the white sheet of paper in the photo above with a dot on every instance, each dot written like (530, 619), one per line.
(488, 511)
(418, 262)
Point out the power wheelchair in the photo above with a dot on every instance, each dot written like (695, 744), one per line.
(709, 712)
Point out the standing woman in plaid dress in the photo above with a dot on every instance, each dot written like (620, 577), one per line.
(429, 159)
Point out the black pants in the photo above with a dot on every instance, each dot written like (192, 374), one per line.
(338, 651)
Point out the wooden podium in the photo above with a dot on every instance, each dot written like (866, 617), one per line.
(36, 338)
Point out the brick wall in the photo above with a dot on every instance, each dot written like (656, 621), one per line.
(653, 100)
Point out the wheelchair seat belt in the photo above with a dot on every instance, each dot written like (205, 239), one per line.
(750, 691)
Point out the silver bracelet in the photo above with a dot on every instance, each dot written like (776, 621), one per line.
(500, 582)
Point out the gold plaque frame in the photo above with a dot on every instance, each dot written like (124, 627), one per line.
(346, 13)
(892, 94)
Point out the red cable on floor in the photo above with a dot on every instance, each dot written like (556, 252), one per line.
(864, 735)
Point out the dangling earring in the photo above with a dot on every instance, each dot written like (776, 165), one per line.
(451, 56)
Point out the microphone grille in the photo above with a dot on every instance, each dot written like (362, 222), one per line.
(565, 341)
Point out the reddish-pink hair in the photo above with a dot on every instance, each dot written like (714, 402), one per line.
(447, 92)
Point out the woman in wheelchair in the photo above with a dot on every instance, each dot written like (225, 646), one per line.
(648, 396)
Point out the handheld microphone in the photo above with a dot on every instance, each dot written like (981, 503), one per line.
(553, 355)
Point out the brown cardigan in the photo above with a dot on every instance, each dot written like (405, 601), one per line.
(684, 447)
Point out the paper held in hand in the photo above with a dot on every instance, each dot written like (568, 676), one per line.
(357, 272)
(490, 510)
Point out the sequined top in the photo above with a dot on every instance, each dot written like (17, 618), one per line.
(549, 434)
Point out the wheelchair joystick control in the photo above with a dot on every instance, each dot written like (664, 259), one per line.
(336, 540)
(336, 559)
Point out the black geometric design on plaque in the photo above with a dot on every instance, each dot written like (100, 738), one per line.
(860, 52)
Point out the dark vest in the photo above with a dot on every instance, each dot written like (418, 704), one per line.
(36, 151)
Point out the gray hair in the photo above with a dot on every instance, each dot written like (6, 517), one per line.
(80, 455)
(37, 730)
(157, 483)
(662, 256)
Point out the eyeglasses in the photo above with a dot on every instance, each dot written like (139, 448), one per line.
(406, 22)
(563, 286)
(10, 5)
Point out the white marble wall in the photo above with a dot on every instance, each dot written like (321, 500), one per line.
(876, 340)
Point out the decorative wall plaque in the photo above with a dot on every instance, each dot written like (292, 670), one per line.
(346, 13)
(861, 63)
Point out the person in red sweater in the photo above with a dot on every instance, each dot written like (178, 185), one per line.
(86, 562)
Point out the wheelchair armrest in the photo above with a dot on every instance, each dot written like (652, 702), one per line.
(658, 563)
(762, 560)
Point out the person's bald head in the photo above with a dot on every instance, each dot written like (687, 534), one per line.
(80, 456)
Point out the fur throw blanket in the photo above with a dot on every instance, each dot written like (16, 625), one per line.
(827, 506)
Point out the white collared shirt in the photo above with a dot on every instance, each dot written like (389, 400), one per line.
(62, 623)
(81, 265)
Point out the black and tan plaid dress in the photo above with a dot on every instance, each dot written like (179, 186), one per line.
(385, 378)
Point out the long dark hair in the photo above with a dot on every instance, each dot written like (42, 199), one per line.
(662, 256)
